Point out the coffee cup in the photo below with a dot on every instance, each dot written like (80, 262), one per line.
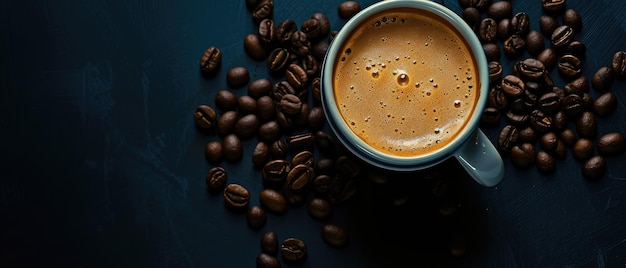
(403, 87)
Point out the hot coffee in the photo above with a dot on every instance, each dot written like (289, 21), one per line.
(405, 82)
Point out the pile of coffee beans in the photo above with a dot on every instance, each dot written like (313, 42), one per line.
(544, 119)
(298, 161)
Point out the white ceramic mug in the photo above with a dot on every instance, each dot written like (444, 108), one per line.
(470, 146)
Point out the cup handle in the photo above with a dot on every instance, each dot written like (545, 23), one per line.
(481, 160)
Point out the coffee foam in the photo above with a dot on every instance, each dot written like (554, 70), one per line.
(405, 83)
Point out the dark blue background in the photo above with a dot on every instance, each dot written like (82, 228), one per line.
(101, 164)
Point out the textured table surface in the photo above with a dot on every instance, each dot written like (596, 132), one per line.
(101, 164)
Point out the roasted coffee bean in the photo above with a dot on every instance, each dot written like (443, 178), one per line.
(269, 243)
(293, 250)
(540, 121)
(549, 102)
(325, 143)
(549, 141)
(256, 217)
(301, 119)
(319, 208)
(490, 117)
(527, 134)
(316, 118)
(520, 23)
(534, 87)
(578, 86)
(618, 64)
(237, 77)
(275, 170)
(259, 88)
(512, 86)
(216, 179)
(514, 45)
(260, 154)
(500, 10)
(504, 29)
(290, 104)
(296, 76)
(269, 131)
(347, 9)
(545, 162)
(278, 59)
(263, 10)
(282, 88)
(480, 4)
(321, 183)
(236, 196)
(334, 235)
(300, 142)
(586, 125)
(611, 143)
(233, 149)
(488, 30)
(226, 123)
(247, 126)
(318, 49)
(324, 166)
(573, 19)
(284, 30)
(583, 149)
(471, 16)
(300, 44)
(214, 151)
(523, 156)
(254, 48)
(492, 51)
(279, 149)
(602, 79)
(267, 33)
(548, 24)
(561, 150)
(324, 23)
(226, 100)
(518, 119)
(310, 66)
(572, 104)
(594, 168)
(562, 36)
(553, 6)
(518, 107)
(341, 188)
(303, 158)
(273, 201)
(497, 98)
(210, 60)
(568, 136)
(347, 166)
(529, 99)
(205, 117)
(495, 71)
(267, 261)
(315, 90)
(559, 120)
(246, 104)
(266, 109)
(507, 138)
(587, 101)
(548, 58)
(570, 66)
(311, 27)
(534, 43)
(299, 177)
(531, 69)
(577, 49)
(605, 104)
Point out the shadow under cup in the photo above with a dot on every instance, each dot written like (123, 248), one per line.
(469, 145)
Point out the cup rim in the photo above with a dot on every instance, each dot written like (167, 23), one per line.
(357, 146)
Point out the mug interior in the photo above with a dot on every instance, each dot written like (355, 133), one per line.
(357, 146)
